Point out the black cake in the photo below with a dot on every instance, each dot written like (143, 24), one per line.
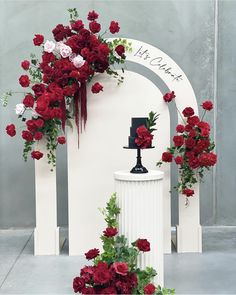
(136, 122)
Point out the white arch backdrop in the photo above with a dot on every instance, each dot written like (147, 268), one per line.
(91, 167)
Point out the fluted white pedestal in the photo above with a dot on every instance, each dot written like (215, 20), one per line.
(140, 198)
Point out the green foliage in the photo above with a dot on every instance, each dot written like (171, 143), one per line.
(151, 121)
(5, 97)
(27, 149)
(73, 14)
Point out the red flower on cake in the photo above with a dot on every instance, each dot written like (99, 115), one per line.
(144, 139)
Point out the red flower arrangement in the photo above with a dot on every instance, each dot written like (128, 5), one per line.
(115, 270)
(57, 81)
(192, 148)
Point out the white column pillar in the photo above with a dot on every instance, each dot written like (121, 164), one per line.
(46, 233)
(140, 198)
(189, 230)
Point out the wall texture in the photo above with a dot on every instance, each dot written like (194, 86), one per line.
(198, 35)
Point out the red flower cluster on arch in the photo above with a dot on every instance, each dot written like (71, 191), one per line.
(57, 81)
(192, 148)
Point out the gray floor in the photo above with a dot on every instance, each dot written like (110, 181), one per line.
(212, 272)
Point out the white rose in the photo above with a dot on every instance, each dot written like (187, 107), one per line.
(20, 108)
(65, 51)
(49, 46)
(58, 46)
(78, 61)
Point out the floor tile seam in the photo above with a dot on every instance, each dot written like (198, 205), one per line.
(15, 261)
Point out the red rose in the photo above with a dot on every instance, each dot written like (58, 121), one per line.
(60, 32)
(38, 89)
(149, 289)
(61, 140)
(188, 128)
(204, 125)
(38, 39)
(31, 125)
(77, 25)
(110, 232)
(39, 123)
(101, 275)
(192, 133)
(179, 160)
(24, 80)
(25, 64)
(36, 155)
(48, 57)
(94, 27)
(38, 135)
(190, 143)
(180, 128)
(92, 15)
(28, 101)
(167, 157)
(114, 27)
(56, 113)
(207, 105)
(194, 163)
(143, 245)
(26, 135)
(178, 140)
(168, 97)
(88, 290)
(207, 159)
(194, 120)
(121, 268)
(97, 87)
(144, 139)
(11, 130)
(188, 192)
(103, 49)
(188, 112)
(190, 154)
(93, 253)
(202, 144)
(78, 284)
(120, 50)
(205, 132)
(109, 290)
(69, 90)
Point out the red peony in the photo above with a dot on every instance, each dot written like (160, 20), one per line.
(38, 39)
(94, 27)
(11, 130)
(61, 140)
(179, 160)
(121, 268)
(93, 253)
(28, 101)
(194, 120)
(24, 80)
(120, 50)
(149, 289)
(167, 157)
(188, 192)
(26, 135)
(110, 232)
(78, 284)
(143, 245)
(168, 97)
(114, 27)
(188, 112)
(25, 64)
(207, 105)
(180, 128)
(178, 140)
(38, 135)
(97, 87)
(92, 15)
(36, 155)
(207, 159)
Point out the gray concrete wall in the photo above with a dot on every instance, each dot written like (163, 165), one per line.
(185, 30)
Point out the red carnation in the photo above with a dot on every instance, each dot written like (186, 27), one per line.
(194, 120)
(38, 135)
(94, 27)
(78, 284)
(26, 135)
(36, 155)
(11, 130)
(121, 268)
(168, 97)
(180, 128)
(25, 64)
(143, 245)
(97, 87)
(188, 112)
(207, 159)
(38, 39)
(114, 27)
(207, 105)
(28, 101)
(93, 253)
(179, 160)
(167, 157)
(61, 140)
(110, 232)
(92, 15)
(24, 80)
(77, 25)
(149, 289)
(178, 140)
(120, 50)
(188, 192)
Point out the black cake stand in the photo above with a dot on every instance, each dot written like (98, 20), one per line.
(138, 168)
